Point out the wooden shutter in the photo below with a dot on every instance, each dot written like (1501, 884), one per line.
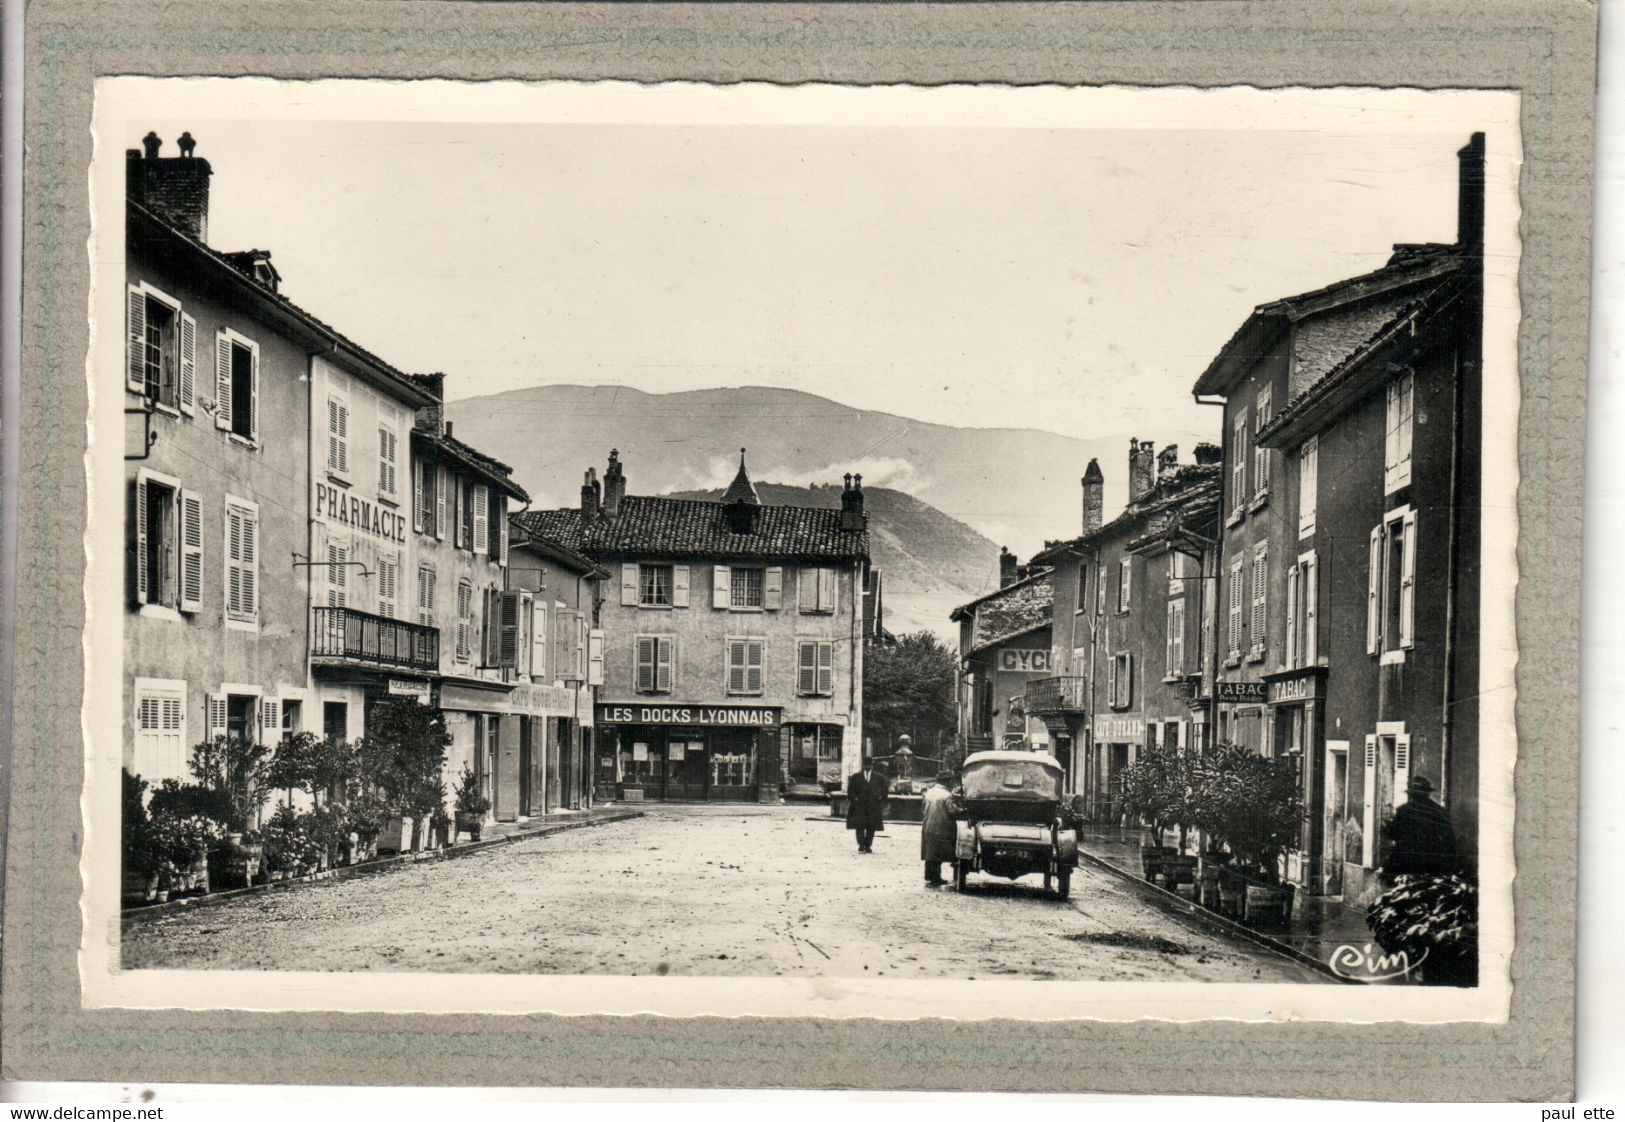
(538, 639)
(1128, 583)
(234, 569)
(214, 708)
(1111, 681)
(629, 584)
(665, 666)
(338, 575)
(388, 585)
(1311, 628)
(270, 720)
(719, 586)
(1127, 682)
(186, 398)
(1368, 837)
(191, 591)
(826, 668)
(1261, 455)
(807, 589)
(646, 665)
(1260, 585)
(338, 436)
(1402, 768)
(1407, 584)
(807, 668)
(417, 496)
(481, 519)
(595, 657)
(736, 666)
(773, 589)
(136, 341)
(1176, 637)
(508, 639)
(1292, 616)
(253, 393)
(501, 514)
(1238, 463)
(1308, 485)
(439, 502)
(142, 577)
(753, 666)
(250, 563)
(386, 461)
(1373, 595)
(222, 381)
(679, 586)
(828, 590)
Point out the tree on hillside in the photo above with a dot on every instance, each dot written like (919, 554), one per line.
(909, 688)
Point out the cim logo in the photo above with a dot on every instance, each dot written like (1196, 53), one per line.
(1364, 964)
(1024, 662)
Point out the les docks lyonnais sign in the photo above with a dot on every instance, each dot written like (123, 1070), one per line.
(729, 716)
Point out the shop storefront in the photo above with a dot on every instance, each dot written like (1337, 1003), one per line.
(812, 754)
(690, 753)
(525, 743)
(1296, 701)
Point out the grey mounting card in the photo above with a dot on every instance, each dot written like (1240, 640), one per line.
(864, 290)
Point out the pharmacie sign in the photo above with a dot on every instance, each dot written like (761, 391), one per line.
(337, 508)
(730, 716)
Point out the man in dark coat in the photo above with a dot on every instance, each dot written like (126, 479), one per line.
(1423, 843)
(866, 795)
(938, 828)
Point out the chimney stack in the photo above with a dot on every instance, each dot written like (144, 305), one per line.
(1141, 470)
(1209, 455)
(429, 418)
(591, 499)
(1470, 197)
(176, 188)
(1007, 568)
(852, 516)
(614, 485)
(1167, 463)
(1094, 504)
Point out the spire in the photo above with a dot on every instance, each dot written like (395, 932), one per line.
(742, 490)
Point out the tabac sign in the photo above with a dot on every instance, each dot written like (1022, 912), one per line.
(731, 716)
(1024, 661)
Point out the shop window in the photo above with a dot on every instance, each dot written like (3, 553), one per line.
(745, 666)
(745, 587)
(732, 769)
(654, 586)
(815, 591)
(815, 668)
(160, 730)
(654, 664)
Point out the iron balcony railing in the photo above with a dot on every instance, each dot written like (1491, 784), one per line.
(1053, 696)
(354, 636)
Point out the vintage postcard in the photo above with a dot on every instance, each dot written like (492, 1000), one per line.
(965, 551)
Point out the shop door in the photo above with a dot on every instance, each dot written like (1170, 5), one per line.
(733, 762)
(557, 729)
(538, 762)
(526, 790)
(686, 765)
(505, 751)
(1337, 783)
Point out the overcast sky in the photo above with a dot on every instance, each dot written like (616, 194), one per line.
(1070, 278)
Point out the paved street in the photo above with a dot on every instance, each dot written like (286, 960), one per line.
(703, 890)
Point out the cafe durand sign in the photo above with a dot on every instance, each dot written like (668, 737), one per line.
(729, 716)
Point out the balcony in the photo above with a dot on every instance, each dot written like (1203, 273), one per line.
(1054, 697)
(345, 636)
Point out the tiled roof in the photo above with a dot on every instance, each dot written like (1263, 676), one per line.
(653, 526)
(1179, 496)
(493, 470)
(1013, 610)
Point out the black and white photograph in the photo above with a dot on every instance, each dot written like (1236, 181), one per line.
(888, 551)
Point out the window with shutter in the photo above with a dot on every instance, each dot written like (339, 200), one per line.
(386, 462)
(512, 604)
(242, 562)
(654, 585)
(136, 341)
(191, 535)
(745, 658)
(1397, 442)
(481, 519)
(1233, 628)
(440, 484)
(338, 436)
(426, 596)
(1373, 594)
(745, 588)
(1257, 634)
(646, 665)
(1125, 584)
(1310, 647)
(388, 580)
(1308, 485)
(631, 584)
(595, 657)
(826, 669)
(1238, 465)
(1292, 616)
(1407, 581)
(1176, 638)
(806, 668)
(666, 666)
(465, 621)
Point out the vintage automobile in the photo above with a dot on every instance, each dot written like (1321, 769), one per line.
(1015, 821)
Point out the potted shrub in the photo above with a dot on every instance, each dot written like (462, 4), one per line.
(1250, 804)
(1433, 921)
(1144, 791)
(286, 844)
(191, 820)
(1181, 808)
(470, 804)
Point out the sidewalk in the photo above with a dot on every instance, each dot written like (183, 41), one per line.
(1320, 924)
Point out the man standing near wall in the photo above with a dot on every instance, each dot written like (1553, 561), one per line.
(866, 795)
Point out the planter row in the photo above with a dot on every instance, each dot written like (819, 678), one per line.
(1241, 894)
